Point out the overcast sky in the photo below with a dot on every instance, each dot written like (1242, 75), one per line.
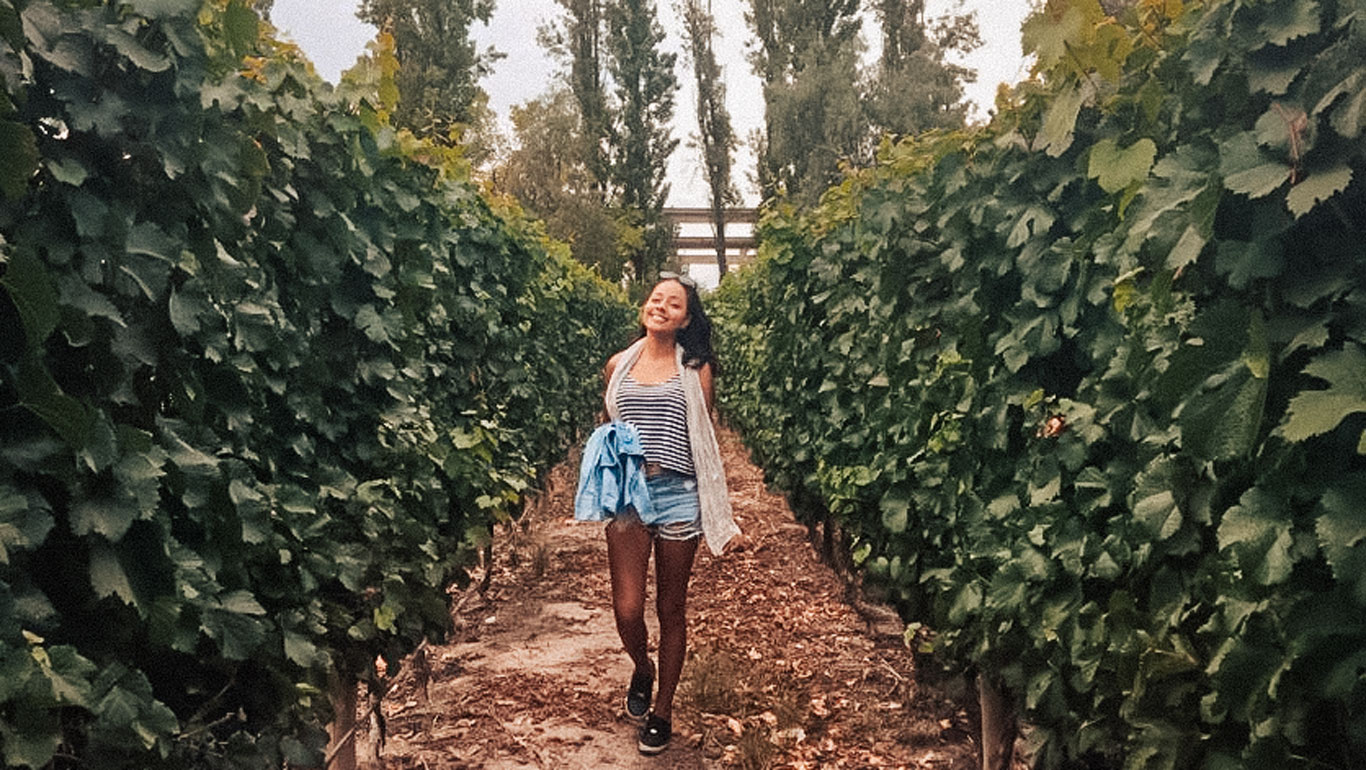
(332, 36)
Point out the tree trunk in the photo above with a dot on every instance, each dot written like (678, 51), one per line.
(998, 725)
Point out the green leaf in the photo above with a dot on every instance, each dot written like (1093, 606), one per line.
(34, 294)
(1048, 32)
(24, 523)
(160, 9)
(1318, 186)
(1246, 261)
(896, 507)
(1246, 170)
(1288, 20)
(18, 158)
(67, 170)
(38, 392)
(1115, 169)
(32, 739)
(1187, 249)
(149, 239)
(1153, 501)
(1314, 412)
(128, 712)
(67, 673)
(1060, 121)
(1341, 525)
(107, 575)
(1257, 532)
(301, 651)
(241, 26)
(242, 602)
(103, 515)
(238, 635)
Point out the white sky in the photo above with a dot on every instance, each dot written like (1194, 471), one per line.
(332, 36)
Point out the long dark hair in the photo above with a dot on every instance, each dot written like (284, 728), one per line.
(696, 336)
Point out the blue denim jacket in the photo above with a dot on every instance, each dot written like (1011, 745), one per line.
(612, 474)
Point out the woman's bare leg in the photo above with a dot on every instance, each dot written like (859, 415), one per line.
(628, 558)
(673, 568)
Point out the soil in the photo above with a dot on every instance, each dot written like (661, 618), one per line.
(782, 671)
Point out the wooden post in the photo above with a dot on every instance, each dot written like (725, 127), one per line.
(998, 725)
(341, 744)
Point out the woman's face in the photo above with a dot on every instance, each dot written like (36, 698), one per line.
(666, 309)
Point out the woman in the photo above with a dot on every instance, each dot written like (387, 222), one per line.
(662, 386)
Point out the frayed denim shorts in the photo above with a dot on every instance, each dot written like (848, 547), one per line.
(678, 512)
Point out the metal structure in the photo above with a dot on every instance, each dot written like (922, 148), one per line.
(694, 235)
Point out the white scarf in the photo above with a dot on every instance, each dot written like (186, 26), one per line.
(718, 523)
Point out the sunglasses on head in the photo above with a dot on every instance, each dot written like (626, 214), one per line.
(683, 279)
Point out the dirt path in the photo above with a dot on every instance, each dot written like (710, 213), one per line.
(781, 672)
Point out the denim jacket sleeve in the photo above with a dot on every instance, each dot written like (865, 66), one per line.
(612, 474)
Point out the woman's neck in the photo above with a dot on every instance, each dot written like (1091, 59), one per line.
(659, 345)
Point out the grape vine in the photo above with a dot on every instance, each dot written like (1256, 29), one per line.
(1086, 387)
(269, 373)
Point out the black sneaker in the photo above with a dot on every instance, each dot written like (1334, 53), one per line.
(655, 735)
(638, 695)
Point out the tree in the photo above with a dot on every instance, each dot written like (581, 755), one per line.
(645, 84)
(440, 66)
(715, 138)
(578, 42)
(547, 172)
(914, 88)
(823, 108)
(808, 59)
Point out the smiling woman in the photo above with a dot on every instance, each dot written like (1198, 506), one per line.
(659, 391)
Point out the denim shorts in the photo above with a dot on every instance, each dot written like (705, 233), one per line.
(678, 513)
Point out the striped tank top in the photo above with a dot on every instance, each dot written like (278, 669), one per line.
(660, 413)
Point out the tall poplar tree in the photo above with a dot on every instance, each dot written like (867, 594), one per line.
(823, 108)
(578, 40)
(813, 119)
(715, 137)
(645, 85)
(439, 63)
(915, 88)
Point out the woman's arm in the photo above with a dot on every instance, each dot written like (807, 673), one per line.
(607, 378)
(708, 389)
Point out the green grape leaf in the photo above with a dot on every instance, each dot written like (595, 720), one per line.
(160, 9)
(31, 739)
(1257, 532)
(896, 507)
(1246, 170)
(24, 523)
(1187, 248)
(1244, 261)
(128, 711)
(1049, 32)
(1318, 186)
(33, 293)
(18, 158)
(1115, 169)
(238, 635)
(302, 651)
(1341, 525)
(107, 575)
(1223, 423)
(241, 26)
(1288, 20)
(1314, 412)
(1153, 501)
(38, 392)
(1060, 121)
